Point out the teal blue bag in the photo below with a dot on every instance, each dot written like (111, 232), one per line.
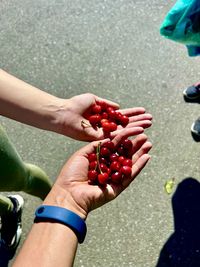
(182, 24)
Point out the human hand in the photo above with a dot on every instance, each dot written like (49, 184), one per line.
(71, 115)
(72, 189)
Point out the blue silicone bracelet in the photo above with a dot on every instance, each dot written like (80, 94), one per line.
(47, 213)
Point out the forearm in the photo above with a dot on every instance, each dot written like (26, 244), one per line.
(50, 244)
(27, 104)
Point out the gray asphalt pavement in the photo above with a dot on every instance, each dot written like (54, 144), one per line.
(111, 48)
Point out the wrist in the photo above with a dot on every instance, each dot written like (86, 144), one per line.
(62, 198)
(62, 118)
(54, 111)
(49, 213)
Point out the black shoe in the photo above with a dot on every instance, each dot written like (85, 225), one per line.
(192, 93)
(11, 229)
(195, 130)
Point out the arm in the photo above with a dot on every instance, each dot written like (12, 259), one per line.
(52, 244)
(27, 104)
(48, 245)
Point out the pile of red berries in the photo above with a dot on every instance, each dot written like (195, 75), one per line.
(106, 117)
(110, 164)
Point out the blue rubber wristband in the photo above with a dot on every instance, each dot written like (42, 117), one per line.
(47, 213)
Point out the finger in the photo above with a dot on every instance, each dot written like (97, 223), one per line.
(125, 133)
(141, 117)
(122, 134)
(136, 169)
(145, 148)
(132, 111)
(108, 102)
(142, 123)
(138, 142)
(89, 148)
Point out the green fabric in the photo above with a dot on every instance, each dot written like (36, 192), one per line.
(6, 205)
(182, 24)
(16, 175)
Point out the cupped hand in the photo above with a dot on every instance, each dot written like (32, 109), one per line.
(72, 189)
(74, 110)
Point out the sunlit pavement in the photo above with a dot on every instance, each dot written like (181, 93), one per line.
(112, 49)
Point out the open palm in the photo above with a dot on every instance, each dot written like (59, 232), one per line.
(71, 118)
(74, 175)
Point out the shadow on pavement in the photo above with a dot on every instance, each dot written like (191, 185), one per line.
(182, 249)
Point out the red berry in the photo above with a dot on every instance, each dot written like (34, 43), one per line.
(109, 109)
(94, 119)
(121, 159)
(103, 160)
(113, 126)
(127, 144)
(108, 171)
(104, 115)
(103, 105)
(103, 121)
(116, 177)
(127, 162)
(124, 120)
(110, 145)
(92, 175)
(103, 167)
(92, 157)
(109, 126)
(93, 165)
(112, 114)
(126, 170)
(114, 157)
(115, 166)
(106, 126)
(120, 151)
(118, 116)
(103, 178)
(96, 109)
(104, 151)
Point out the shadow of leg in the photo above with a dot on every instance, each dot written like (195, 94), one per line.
(183, 247)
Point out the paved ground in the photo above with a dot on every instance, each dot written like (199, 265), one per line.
(113, 49)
